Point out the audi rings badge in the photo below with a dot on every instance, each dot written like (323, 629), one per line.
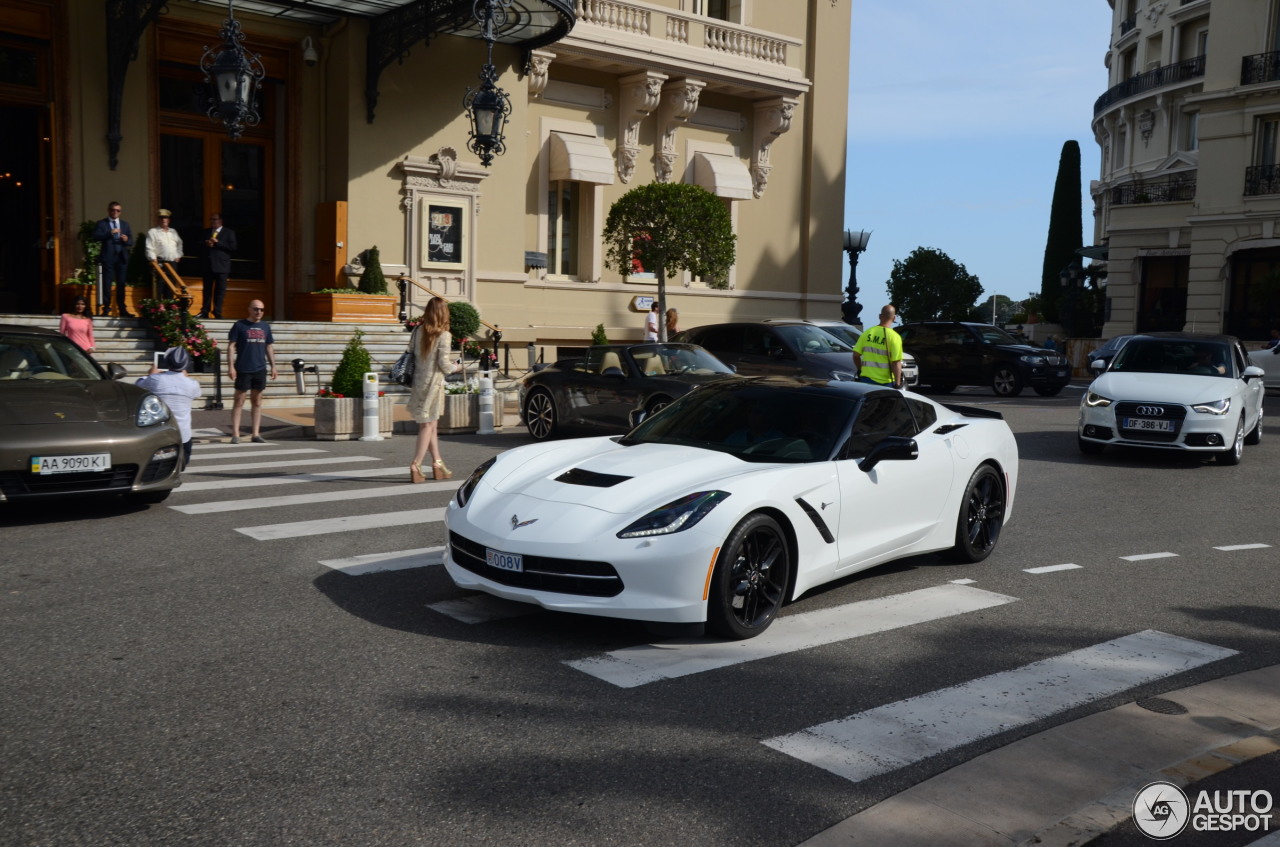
(1150, 411)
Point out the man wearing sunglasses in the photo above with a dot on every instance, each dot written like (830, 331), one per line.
(219, 247)
(251, 355)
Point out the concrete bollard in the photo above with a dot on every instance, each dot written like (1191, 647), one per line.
(486, 405)
(371, 432)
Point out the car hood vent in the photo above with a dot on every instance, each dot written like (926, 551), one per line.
(581, 476)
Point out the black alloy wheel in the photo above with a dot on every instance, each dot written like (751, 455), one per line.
(1006, 381)
(540, 415)
(981, 516)
(750, 580)
(657, 404)
(1233, 453)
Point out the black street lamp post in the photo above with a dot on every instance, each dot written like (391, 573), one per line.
(488, 106)
(235, 75)
(854, 244)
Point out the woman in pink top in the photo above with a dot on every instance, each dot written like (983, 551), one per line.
(78, 325)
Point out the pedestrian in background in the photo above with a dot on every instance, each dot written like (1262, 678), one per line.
(78, 324)
(651, 323)
(172, 385)
(116, 236)
(431, 344)
(1274, 341)
(164, 245)
(877, 355)
(673, 318)
(219, 246)
(251, 355)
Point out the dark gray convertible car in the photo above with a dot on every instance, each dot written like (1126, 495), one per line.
(597, 393)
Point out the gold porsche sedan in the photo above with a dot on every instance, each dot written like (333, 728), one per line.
(68, 426)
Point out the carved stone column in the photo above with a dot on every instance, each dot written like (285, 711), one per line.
(772, 119)
(640, 94)
(679, 102)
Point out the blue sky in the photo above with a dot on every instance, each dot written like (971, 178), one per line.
(957, 117)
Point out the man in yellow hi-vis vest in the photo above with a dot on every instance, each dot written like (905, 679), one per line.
(877, 357)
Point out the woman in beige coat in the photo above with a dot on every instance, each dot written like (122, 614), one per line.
(433, 359)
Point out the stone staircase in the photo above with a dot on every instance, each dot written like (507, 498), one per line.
(128, 343)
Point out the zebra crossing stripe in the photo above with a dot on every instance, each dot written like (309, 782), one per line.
(482, 608)
(1231, 548)
(1051, 568)
(260, 451)
(288, 463)
(350, 523)
(398, 560)
(634, 666)
(204, 448)
(890, 737)
(304, 499)
(285, 479)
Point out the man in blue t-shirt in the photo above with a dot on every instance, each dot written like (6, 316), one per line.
(250, 356)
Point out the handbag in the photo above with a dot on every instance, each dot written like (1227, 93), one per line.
(402, 370)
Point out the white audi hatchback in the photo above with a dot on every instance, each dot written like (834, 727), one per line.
(1176, 391)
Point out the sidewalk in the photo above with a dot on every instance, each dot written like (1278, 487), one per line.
(1074, 782)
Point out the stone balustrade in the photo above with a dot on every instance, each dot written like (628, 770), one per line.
(635, 18)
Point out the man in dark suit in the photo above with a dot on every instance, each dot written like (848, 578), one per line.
(117, 240)
(219, 246)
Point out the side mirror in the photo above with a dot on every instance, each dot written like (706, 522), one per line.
(115, 371)
(1253, 372)
(636, 417)
(893, 448)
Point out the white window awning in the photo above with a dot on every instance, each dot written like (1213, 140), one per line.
(582, 158)
(723, 176)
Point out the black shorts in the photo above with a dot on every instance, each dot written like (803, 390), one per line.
(255, 381)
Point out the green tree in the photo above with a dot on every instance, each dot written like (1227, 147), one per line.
(1065, 231)
(665, 227)
(372, 280)
(996, 309)
(930, 285)
(348, 378)
(464, 320)
(599, 336)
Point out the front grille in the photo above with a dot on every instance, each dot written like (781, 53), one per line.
(542, 573)
(23, 484)
(1150, 411)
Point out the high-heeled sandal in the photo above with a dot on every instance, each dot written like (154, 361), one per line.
(439, 471)
(416, 474)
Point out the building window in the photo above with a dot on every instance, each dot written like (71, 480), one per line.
(564, 214)
(1190, 132)
(1163, 296)
(723, 10)
(1254, 297)
(1266, 135)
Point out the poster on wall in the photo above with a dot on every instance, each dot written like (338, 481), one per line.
(444, 234)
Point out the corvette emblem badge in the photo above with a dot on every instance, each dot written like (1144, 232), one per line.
(516, 523)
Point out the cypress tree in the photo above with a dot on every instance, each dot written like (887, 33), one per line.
(1065, 231)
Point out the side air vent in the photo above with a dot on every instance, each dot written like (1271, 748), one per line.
(579, 476)
(945, 428)
(818, 522)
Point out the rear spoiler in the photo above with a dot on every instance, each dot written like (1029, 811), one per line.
(974, 411)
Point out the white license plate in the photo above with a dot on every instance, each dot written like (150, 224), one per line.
(504, 561)
(83, 463)
(1062, 374)
(1148, 424)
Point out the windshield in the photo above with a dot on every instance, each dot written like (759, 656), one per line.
(754, 422)
(24, 357)
(844, 332)
(1173, 355)
(995, 335)
(661, 359)
(811, 339)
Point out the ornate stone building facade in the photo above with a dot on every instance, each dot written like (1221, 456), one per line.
(1189, 195)
(363, 142)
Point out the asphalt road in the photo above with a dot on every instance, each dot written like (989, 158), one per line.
(200, 677)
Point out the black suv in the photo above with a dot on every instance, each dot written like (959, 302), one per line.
(951, 353)
(775, 349)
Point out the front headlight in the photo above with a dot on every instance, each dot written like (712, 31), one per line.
(152, 411)
(1034, 360)
(843, 376)
(1092, 398)
(1218, 407)
(469, 487)
(676, 515)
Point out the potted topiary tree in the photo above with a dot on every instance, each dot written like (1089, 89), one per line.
(462, 402)
(367, 303)
(372, 280)
(339, 408)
